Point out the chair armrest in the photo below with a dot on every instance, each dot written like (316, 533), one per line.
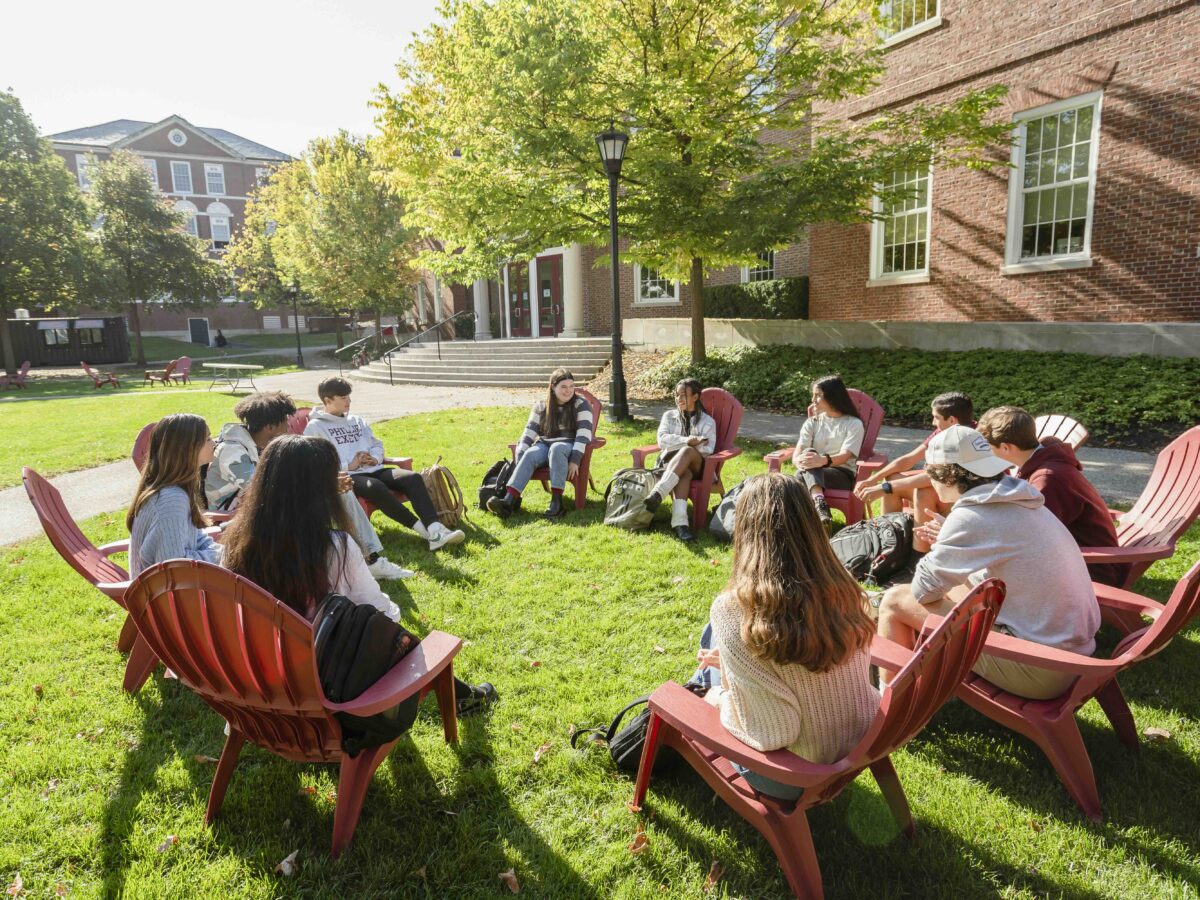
(1126, 601)
(1005, 646)
(114, 547)
(1117, 513)
(412, 674)
(640, 453)
(776, 458)
(597, 443)
(1125, 554)
(700, 722)
(219, 518)
(888, 654)
(115, 590)
(872, 463)
(400, 462)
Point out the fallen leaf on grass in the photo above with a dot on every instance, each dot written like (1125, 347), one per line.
(287, 868)
(541, 751)
(61, 889)
(535, 664)
(51, 786)
(714, 875)
(640, 841)
(205, 760)
(678, 579)
(632, 807)
(171, 841)
(17, 887)
(306, 791)
(1158, 735)
(659, 649)
(420, 873)
(510, 879)
(38, 690)
(714, 562)
(1036, 826)
(515, 726)
(331, 797)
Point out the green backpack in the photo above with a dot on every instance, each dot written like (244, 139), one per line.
(625, 499)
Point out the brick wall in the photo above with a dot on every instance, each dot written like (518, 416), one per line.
(1146, 220)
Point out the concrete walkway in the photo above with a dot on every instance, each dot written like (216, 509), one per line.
(1119, 475)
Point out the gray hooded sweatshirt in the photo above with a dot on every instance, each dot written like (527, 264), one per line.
(349, 434)
(1003, 530)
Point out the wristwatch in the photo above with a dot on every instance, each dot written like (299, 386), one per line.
(828, 461)
(885, 486)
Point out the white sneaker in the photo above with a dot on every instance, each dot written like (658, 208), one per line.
(384, 570)
(420, 529)
(440, 536)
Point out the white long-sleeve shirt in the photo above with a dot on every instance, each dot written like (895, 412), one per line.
(350, 577)
(671, 435)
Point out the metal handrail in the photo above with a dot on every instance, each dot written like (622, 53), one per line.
(436, 327)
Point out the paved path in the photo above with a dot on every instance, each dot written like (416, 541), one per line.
(1118, 474)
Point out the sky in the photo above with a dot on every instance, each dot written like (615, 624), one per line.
(279, 73)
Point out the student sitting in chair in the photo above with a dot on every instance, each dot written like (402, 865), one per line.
(827, 452)
(687, 435)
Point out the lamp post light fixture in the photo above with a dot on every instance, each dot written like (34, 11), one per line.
(612, 144)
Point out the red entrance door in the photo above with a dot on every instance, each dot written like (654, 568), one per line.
(549, 291)
(520, 319)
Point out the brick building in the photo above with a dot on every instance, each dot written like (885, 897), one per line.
(1098, 223)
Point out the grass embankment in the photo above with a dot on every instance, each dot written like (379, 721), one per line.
(1129, 401)
(570, 621)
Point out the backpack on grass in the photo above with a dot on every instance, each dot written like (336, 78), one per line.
(355, 646)
(445, 493)
(625, 499)
(720, 525)
(874, 550)
(495, 482)
(625, 744)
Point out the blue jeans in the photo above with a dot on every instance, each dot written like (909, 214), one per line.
(360, 525)
(709, 677)
(558, 455)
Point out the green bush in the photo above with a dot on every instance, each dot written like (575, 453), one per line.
(1131, 399)
(780, 298)
(464, 327)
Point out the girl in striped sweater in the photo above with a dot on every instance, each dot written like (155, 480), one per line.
(557, 434)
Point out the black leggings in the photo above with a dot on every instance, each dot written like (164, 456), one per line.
(378, 486)
(840, 478)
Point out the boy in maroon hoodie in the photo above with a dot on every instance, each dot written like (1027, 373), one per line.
(1051, 467)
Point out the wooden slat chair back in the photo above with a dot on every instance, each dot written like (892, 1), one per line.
(141, 446)
(583, 476)
(100, 379)
(1064, 428)
(252, 659)
(926, 679)
(183, 369)
(298, 420)
(727, 412)
(1051, 724)
(162, 376)
(18, 379)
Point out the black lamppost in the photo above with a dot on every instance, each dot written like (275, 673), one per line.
(612, 145)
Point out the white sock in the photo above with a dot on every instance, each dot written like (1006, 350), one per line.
(667, 484)
(679, 514)
(420, 529)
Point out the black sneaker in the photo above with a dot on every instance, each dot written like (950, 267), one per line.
(501, 506)
(823, 511)
(556, 507)
(482, 696)
(683, 533)
(654, 501)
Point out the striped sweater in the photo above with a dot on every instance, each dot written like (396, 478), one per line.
(163, 529)
(580, 437)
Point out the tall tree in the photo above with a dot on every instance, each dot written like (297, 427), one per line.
(148, 254)
(491, 137)
(338, 229)
(46, 256)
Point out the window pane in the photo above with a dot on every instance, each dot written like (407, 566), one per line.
(1031, 209)
(920, 260)
(921, 225)
(1063, 172)
(1077, 227)
(1047, 169)
(1044, 237)
(1046, 210)
(1082, 157)
(1049, 132)
(1083, 128)
(1066, 127)
(1061, 234)
(1028, 239)
(1079, 201)
(1033, 137)
(1032, 161)
(1062, 203)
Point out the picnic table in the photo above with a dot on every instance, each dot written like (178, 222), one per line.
(232, 374)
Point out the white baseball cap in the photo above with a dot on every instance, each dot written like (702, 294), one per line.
(965, 447)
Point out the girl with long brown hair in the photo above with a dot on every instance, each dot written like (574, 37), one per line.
(166, 519)
(557, 434)
(791, 634)
(826, 453)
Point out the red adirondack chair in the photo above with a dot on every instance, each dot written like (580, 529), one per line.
(1051, 723)
(582, 477)
(162, 377)
(727, 412)
(1169, 504)
(87, 559)
(871, 414)
(251, 659)
(298, 420)
(141, 445)
(926, 679)
(17, 380)
(100, 379)
(183, 370)
(1064, 428)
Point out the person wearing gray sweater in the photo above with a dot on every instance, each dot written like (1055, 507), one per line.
(163, 529)
(998, 527)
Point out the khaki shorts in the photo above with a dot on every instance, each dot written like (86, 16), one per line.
(1024, 680)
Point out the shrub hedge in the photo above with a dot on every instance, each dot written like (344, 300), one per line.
(1133, 400)
(779, 298)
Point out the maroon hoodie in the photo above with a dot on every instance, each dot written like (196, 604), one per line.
(1054, 470)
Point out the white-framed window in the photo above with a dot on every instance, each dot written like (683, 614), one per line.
(654, 289)
(189, 208)
(270, 322)
(903, 19)
(900, 237)
(181, 176)
(83, 170)
(214, 179)
(291, 320)
(763, 270)
(261, 175)
(1052, 185)
(219, 227)
(152, 171)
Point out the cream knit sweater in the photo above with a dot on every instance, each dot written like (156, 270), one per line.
(819, 716)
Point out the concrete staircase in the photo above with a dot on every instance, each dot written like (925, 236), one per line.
(515, 362)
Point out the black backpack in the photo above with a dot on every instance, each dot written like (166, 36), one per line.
(874, 550)
(356, 645)
(720, 525)
(495, 482)
(625, 745)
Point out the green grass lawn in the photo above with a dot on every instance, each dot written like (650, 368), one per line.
(570, 621)
(163, 348)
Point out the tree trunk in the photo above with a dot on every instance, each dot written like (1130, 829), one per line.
(697, 290)
(337, 329)
(134, 318)
(7, 354)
